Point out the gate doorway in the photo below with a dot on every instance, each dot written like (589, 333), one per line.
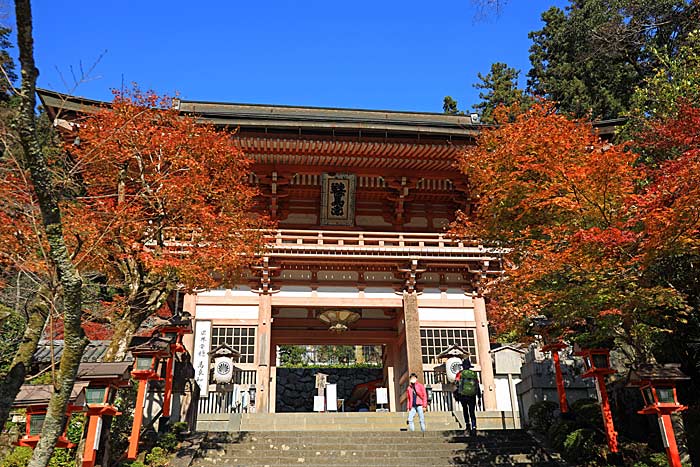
(355, 371)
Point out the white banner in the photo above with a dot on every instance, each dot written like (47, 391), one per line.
(332, 397)
(202, 345)
(319, 403)
(382, 396)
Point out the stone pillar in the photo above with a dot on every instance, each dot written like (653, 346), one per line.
(483, 347)
(412, 330)
(391, 376)
(263, 378)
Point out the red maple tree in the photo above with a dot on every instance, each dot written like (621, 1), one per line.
(562, 200)
(163, 203)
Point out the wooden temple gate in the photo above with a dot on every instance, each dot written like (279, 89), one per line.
(362, 200)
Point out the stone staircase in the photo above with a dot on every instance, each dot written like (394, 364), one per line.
(370, 449)
(349, 421)
(365, 439)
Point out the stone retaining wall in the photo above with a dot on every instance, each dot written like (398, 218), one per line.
(296, 386)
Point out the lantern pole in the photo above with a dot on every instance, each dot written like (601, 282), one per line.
(598, 369)
(138, 419)
(669, 439)
(657, 384)
(610, 432)
(561, 391)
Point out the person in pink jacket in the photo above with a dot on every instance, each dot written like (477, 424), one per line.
(417, 400)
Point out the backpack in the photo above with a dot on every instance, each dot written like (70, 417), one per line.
(468, 383)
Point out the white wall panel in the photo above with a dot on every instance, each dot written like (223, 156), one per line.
(445, 314)
(227, 312)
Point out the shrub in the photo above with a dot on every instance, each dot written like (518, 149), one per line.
(19, 457)
(167, 441)
(180, 428)
(157, 458)
(558, 432)
(580, 446)
(541, 415)
(587, 413)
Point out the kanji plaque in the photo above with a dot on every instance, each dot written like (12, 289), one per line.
(338, 199)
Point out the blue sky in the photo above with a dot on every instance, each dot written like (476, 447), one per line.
(396, 55)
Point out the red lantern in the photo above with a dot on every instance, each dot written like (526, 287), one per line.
(657, 384)
(597, 365)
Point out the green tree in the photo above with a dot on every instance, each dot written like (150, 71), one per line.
(675, 80)
(7, 66)
(499, 87)
(590, 57)
(449, 106)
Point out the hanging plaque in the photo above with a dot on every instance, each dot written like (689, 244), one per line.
(338, 199)
(202, 344)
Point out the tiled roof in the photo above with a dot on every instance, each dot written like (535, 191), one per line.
(94, 351)
(41, 393)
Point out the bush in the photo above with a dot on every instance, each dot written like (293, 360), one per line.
(180, 428)
(157, 458)
(167, 441)
(558, 432)
(19, 457)
(541, 415)
(587, 413)
(580, 446)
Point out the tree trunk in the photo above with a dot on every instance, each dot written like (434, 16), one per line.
(146, 303)
(38, 312)
(71, 282)
(124, 331)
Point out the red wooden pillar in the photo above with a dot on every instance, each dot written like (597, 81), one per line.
(168, 392)
(669, 439)
(610, 432)
(561, 391)
(138, 419)
(597, 364)
(92, 440)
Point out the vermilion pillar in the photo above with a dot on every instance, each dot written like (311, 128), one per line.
(138, 419)
(168, 392)
(610, 432)
(669, 439)
(561, 391)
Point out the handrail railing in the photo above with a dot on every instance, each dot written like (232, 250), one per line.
(365, 238)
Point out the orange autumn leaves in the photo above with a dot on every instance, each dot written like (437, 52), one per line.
(156, 184)
(151, 200)
(581, 218)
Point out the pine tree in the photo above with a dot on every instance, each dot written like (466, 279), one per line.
(449, 106)
(500, 87)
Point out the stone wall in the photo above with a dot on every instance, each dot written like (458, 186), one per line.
(538, 381)
(296, 386)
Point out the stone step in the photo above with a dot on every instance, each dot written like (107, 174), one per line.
(382, 463)
(367, 434)
(285, 450)
(356, 460)
(378, 441)
(368, 449)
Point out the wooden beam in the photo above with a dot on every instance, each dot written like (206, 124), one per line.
(321, 337)
(304, 323)
(332, 302)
